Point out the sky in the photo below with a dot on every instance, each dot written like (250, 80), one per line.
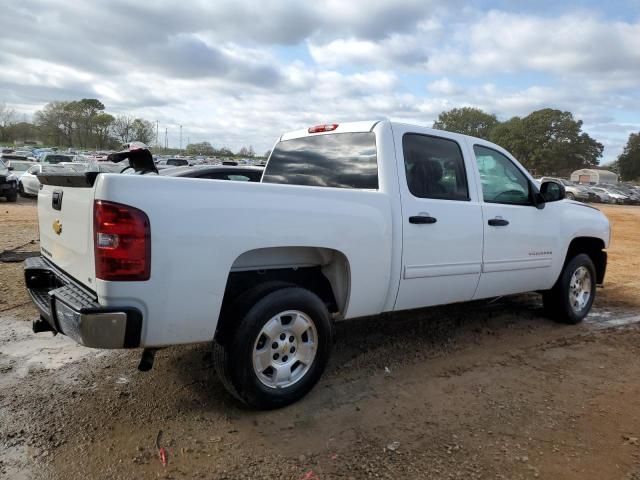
(237, 72)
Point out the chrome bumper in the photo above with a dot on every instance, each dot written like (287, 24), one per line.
(74, 311)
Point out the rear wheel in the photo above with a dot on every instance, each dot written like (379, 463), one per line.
(278, 350)
(571, 298)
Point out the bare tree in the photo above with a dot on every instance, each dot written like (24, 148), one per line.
(122, 128)
(7, 115)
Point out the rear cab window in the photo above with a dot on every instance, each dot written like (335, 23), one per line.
(338, 160)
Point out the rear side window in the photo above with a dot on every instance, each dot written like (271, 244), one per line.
(341, 160)
(434, 167)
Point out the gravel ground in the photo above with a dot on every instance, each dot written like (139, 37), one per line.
(481, 390)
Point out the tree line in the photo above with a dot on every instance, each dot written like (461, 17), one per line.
(85, 124)
(79, 123)
(546, 142)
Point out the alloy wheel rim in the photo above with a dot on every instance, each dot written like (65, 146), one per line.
(580, 289)
(285, 349)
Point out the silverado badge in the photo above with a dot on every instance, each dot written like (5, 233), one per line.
(57, 227)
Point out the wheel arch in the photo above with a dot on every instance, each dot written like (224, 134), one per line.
(592, 246)
(324, 271)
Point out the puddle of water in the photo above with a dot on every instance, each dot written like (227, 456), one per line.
(14, 463)
(22, 351)
(606, 319)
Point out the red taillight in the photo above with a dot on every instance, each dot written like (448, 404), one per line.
(122, 242)
(323, 128)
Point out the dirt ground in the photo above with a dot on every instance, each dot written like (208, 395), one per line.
(484, 390)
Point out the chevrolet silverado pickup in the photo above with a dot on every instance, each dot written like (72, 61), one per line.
(349, 220)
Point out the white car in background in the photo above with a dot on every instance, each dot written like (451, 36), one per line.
(53, 158)
(29, 185)
(20, 167)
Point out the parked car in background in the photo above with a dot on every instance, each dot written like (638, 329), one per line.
(600, 196)
(616, 197)
(634, 195)
(29, 185)
(174, 162)
(20, 166)
(573, 191)
(55, 158)
(216, 172)
(8, 183)
(7, 157)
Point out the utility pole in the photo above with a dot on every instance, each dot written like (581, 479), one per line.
(181, 138)
(157, 144)
(166, 140)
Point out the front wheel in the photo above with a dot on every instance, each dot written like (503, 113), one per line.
(278, 350)
(571, 298)
(570, 196)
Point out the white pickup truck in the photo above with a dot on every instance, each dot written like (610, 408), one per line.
(349, 220)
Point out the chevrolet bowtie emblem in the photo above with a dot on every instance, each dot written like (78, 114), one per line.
(57, 227)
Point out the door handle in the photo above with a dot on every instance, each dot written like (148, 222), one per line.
(421, 219)
(498, 222)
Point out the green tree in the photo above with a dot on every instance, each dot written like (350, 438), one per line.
(143, 131)
(102, 124)
(56, 123)
(467, 120)
(548, 142)
(84, 114)
(629, 160)
(202, 148)
(22, 132)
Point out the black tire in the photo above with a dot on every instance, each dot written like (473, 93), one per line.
(570, 196)
(557, 302)
(234, 357)
(21, 190)
(12, 197)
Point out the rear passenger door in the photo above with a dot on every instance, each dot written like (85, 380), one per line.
(441, 220)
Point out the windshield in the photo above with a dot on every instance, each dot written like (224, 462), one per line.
(21, 167)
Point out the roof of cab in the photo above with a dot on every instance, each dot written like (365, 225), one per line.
(347, 127)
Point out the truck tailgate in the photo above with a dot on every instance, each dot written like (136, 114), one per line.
(65, 217)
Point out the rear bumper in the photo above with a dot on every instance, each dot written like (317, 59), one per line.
(74, 311)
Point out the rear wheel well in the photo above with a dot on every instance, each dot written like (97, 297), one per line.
(594, 247)
(324, 272)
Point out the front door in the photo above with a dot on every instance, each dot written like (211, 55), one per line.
(520, 241)
(441, 220)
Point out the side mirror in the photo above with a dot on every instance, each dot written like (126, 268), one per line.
(552, 191)
(9, 168)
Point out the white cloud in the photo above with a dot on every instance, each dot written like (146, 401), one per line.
(218, 68)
